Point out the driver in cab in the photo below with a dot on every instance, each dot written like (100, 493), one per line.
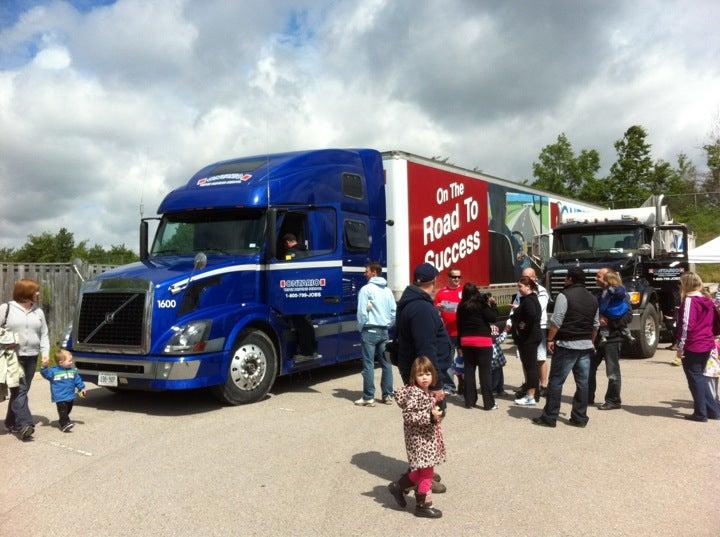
(291, 247)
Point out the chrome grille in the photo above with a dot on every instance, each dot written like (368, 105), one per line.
(108, 318)
(557, 281)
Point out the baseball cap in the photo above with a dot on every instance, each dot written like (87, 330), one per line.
(576, 274)
(424, 273)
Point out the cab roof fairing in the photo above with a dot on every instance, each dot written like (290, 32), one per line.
(294, 178)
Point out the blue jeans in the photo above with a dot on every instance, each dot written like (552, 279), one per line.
(373, 346)
(610, 352)
(705, 405)
(564, 361)
(18, 411)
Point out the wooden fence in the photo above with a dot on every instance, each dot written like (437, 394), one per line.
(59, 288)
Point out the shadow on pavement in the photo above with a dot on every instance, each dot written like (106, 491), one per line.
(169, 403)
(671, 411)
(303, 380)
(187, 402)
(350, 395)
(380, 494)
(374, 462)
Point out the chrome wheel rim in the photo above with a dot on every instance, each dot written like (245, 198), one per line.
(248, 367)
(650, 331)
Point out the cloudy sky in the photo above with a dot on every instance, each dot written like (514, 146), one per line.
(106, 104)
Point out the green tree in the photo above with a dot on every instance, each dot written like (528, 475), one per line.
(558, 170)
(711, 184)
(7, 254)
(64, 244)
(631, 176)
(38, 249)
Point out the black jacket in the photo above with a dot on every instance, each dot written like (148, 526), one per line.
(526, 320)
(473, 321)
(580, 315)
(420, 330)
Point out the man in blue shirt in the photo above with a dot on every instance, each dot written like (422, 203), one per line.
(375, 315)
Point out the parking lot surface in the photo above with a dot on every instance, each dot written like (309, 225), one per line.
(306, 461)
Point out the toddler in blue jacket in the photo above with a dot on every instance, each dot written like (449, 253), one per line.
(64, 380)
(614, 306)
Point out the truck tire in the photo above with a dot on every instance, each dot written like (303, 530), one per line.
(252, 369)
(649, 334)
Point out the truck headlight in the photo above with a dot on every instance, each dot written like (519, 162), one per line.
(634, 297)
(65, 341)
(189, 338)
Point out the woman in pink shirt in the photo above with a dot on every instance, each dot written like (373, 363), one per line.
(698, 322)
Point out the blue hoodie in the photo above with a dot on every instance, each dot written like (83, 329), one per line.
(376, 304)
(62, 382)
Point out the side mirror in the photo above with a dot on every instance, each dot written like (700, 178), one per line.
(143, 240)
(77, 264)
(645, 249)
(200, 261)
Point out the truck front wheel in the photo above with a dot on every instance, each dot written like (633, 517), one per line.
(647, 337)
(252, 369)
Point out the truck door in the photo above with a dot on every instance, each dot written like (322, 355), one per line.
(305, 285)
(356, 249)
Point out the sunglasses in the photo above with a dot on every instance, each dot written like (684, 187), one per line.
(455, 277)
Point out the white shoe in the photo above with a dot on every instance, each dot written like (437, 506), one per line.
(495, 407)
(525, 401)
(365, 402)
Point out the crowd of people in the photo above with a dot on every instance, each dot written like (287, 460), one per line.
(456, 330)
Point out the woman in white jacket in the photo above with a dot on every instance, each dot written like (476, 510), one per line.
(23, 316)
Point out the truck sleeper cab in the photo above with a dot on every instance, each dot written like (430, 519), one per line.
(228, 319)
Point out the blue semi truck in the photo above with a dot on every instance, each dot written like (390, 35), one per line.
(216, 302)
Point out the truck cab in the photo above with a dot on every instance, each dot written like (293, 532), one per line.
(649, 253)
(215, 301)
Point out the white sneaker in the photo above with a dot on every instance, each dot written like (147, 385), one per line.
(525, 401)
(495, 407)
(365, 402)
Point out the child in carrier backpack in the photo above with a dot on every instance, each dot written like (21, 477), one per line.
(423, 437)
(64, 380)
(614, 305)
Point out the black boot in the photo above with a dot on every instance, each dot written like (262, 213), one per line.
(425, 510)
(399, 488)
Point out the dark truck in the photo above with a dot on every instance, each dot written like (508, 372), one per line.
(643, 245)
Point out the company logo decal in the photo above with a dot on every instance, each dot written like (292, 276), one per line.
(307, 288)
(224, 179)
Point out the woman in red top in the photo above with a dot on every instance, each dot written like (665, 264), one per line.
(475, 313)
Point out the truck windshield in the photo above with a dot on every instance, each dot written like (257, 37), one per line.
(229, 232)
(588, 243)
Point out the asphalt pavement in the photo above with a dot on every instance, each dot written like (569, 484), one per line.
(306, 461)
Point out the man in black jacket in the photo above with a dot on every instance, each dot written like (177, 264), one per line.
(421, 332)
(420, 329)
(571, 332)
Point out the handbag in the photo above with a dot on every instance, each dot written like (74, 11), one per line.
(712, 366)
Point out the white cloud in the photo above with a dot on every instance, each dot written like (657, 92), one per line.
(122, 103)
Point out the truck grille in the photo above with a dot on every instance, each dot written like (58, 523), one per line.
(116, 368)
(557, 281)
(111, 319)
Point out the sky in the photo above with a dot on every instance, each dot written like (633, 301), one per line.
(105, 106)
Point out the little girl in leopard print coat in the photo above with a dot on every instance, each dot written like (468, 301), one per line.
(423, 437)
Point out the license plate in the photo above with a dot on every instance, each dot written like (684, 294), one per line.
(107, 379)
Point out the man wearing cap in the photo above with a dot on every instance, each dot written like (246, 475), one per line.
(571, 332)
(420, 329)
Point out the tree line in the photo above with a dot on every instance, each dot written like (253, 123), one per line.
(692, 196)
(61, 248)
